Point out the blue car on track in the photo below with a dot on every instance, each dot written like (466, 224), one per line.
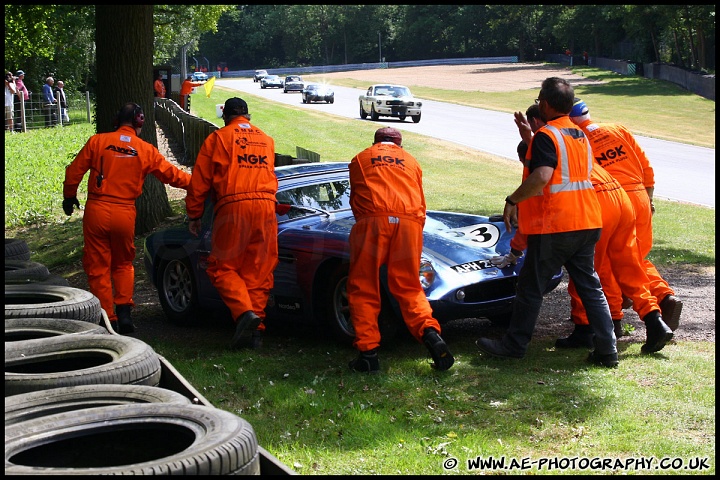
(310, 279)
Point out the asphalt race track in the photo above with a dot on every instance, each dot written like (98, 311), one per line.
(682, 172)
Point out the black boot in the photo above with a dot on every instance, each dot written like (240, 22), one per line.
(366, 362)
(581, 337)
(617, 328)
(658, 333)
(671, 308)
(124, 322)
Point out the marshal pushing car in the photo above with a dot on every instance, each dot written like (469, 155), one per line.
(310, 279)
(390, 101)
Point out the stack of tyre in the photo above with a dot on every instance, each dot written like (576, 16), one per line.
(80, 399)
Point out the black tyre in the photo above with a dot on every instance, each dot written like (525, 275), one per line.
(21, 329)
(177, 291)
(69, 360)
(51, 301)
(52, 279)
(363, 113)
(337, 310)
(416, 118)
(16, 249)
(373, 114)
(27, 406)
(143, 439)
(17, 271)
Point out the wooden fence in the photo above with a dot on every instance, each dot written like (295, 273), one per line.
(191, 131)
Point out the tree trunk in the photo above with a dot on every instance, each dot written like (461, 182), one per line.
(124, 36)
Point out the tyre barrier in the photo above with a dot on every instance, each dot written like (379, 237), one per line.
(140, 439)
(69, 360)
(51, 301)
(25, 271)
(27, 406)
(19, 329)
(16, 249)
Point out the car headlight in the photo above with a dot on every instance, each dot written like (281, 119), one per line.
(427, 273)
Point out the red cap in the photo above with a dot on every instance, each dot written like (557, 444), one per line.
(388, 134)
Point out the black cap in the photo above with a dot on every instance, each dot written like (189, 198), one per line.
(235, 106)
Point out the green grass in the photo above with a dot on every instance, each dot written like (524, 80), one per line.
(317, 418)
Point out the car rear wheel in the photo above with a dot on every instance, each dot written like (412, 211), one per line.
(373, 114)
(363, 114)
(177, 291)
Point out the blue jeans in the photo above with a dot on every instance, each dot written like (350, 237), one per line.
(546, 254)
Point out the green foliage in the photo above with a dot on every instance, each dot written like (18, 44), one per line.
(35, 164)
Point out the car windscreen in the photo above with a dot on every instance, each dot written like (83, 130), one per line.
(329, 196)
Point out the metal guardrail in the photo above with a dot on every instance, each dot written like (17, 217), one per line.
(372, 66)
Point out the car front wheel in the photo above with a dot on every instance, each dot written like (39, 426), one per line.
(337, 308)
(416, 118)
(177, 291)
(363, 113)
(373, 114)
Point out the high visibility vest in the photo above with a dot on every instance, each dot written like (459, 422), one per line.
(568, 201)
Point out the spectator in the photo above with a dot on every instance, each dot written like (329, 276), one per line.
(631, 167)
(118, 161)
(586, 57)
(22, 97)
(159, 86)
(185, 90)
(388, 202)
(62, 100)
(49, 102)
(10, 92)
(557, 208)
(236, 166)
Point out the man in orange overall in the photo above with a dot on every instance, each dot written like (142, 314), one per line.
(556, 207)
(387, 199)
(185, 90)
(617, 151)
(159, 87)
(236, 165)
(118, 162)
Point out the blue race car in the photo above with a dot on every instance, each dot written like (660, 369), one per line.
(455, 269)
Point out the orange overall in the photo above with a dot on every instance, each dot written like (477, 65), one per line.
(186, 89)
(236, 164)
(122, 159)
(617, 151)
(617, 255)
(388, 202)
(159, 88)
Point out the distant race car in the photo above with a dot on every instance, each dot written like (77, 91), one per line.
(259, 75)
(310, 280)
(316, 92)
(390, 101)
(271, 81)
(199, 77)
(293, 83)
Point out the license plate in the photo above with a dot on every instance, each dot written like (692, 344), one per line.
(473, 266)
